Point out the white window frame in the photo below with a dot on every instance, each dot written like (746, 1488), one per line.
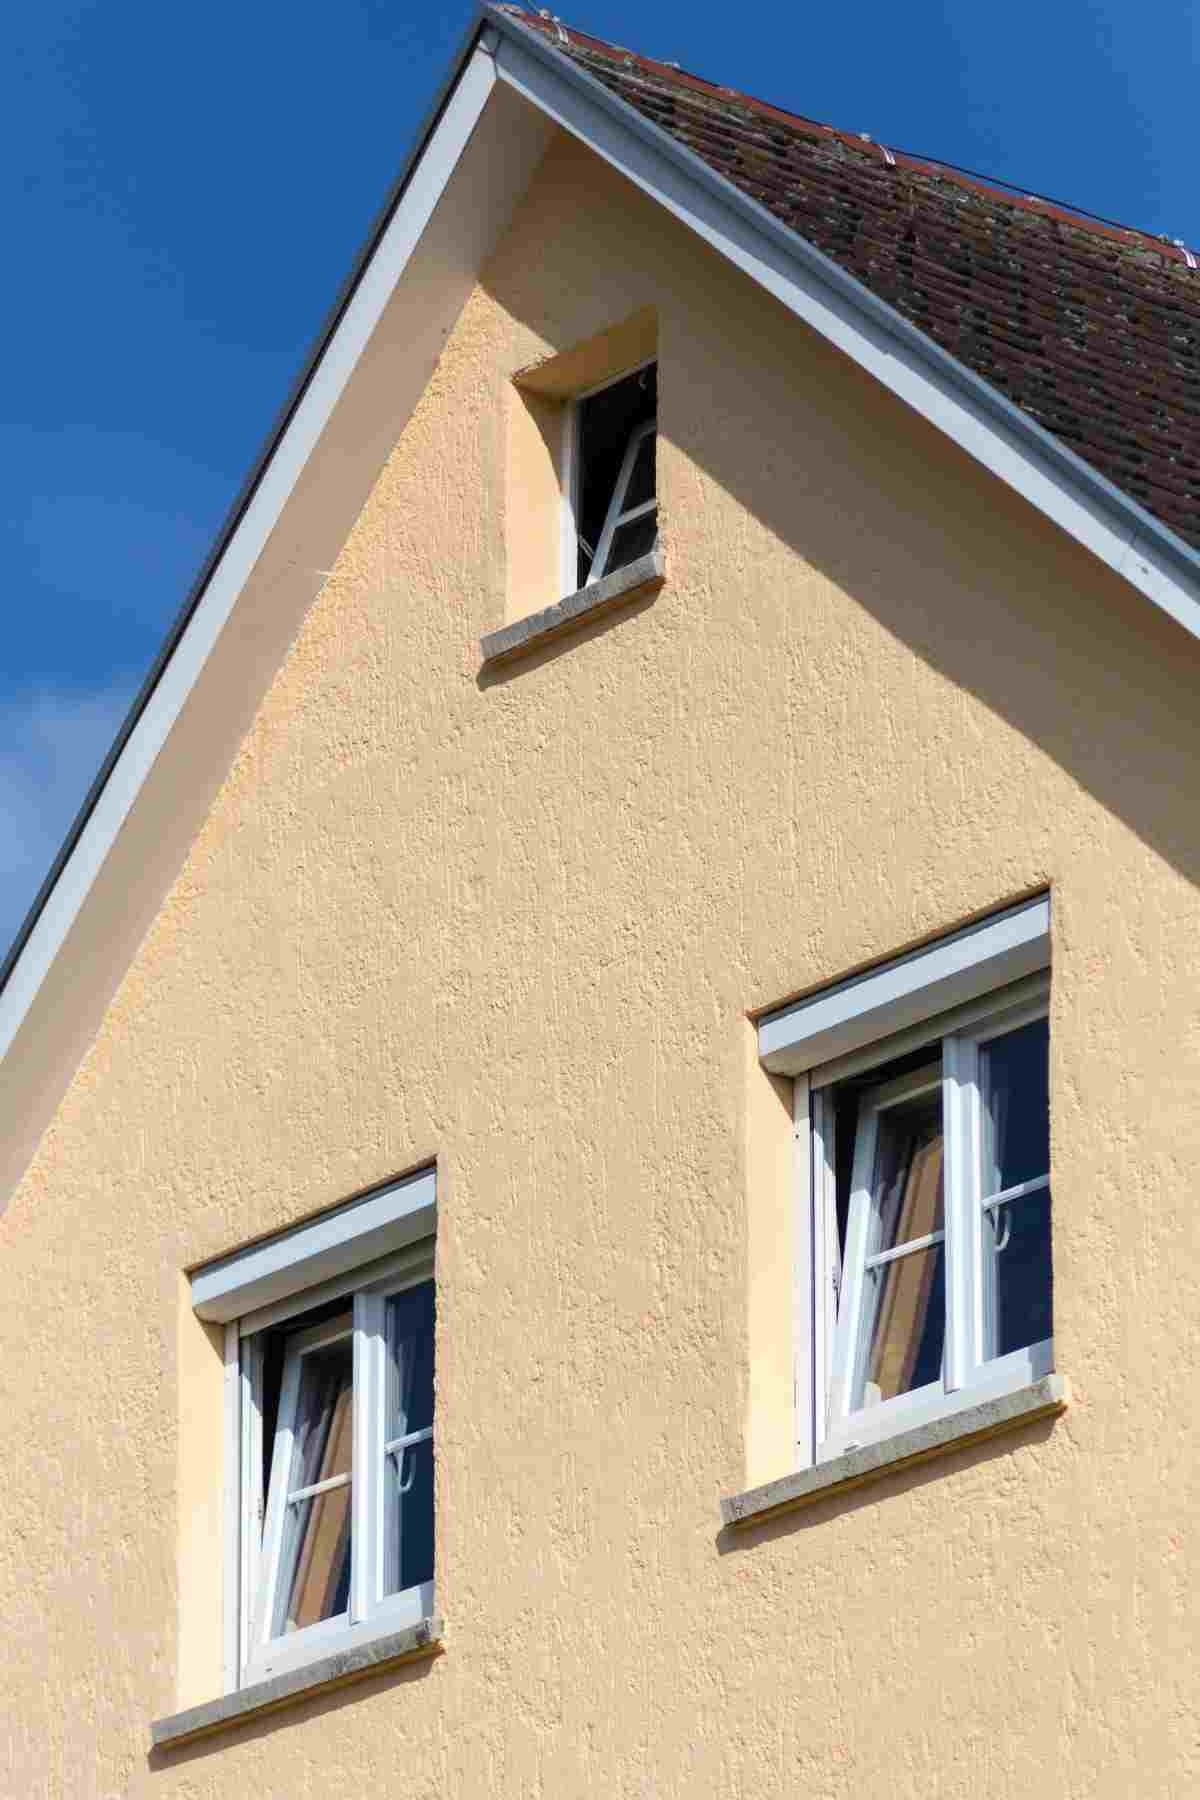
(371, 1612)
(290, 1275)
(572, 475)
(952, 996)
(969, 1373)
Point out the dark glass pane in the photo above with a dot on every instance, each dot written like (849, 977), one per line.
(410, 1317)
(909, 1325)
(1016, 1094)
(641, 479)
(1020, 1236)
(631, 541)
(410, 1503)
(908, 1172)
(408, 1556)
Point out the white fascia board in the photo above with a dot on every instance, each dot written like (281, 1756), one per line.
(942, 390)
(349, 1238)
(942, 975)
(279, 478)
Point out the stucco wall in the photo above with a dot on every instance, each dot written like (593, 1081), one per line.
(519, 925)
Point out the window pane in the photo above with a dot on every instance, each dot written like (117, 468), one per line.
(908, 1326)
(410, 1318)
(908, 1172)
(408, 1545)
(317, 1547)
(1018, 1234)
(409, 1478)
(631, 541)
(1016, 1094)
(323, 1437)
(314, 1568)
(641, 477)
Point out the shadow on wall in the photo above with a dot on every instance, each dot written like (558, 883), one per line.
(939, 552)
(973, 580)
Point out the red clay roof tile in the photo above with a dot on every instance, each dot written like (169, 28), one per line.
(1092, 329)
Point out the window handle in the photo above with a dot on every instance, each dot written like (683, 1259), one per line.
(1002, 1242)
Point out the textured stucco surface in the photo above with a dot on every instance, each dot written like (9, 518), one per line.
(518, 926)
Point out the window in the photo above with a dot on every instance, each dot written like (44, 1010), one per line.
(615, 498)
(935, 1173)
(924, 1281)
(339, 1407)
(330, 1432)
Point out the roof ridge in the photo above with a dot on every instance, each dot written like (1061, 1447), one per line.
(567, 37)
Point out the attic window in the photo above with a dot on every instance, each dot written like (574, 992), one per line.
(616, 501)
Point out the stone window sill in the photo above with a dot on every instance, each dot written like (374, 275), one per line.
(617, 589)
(1041, 1399)
(328, 1672)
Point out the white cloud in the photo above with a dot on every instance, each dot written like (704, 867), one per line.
(52, 743)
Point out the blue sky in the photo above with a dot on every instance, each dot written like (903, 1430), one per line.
(182, 193)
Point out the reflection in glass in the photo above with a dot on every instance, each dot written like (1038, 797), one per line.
(320, 1582)
(905, 1321)
(909, 1325)
(408, 1474)
(908, 1172)
(314, 1571)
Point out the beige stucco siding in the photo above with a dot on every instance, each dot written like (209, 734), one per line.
(518, 925)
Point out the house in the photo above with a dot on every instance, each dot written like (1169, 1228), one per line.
(531, 1098)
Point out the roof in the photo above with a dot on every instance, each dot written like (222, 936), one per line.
(1091, 329)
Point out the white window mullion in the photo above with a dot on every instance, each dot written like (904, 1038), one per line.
(964, 1252)
(366, 1572)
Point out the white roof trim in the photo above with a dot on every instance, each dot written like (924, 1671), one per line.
(502, 56)
(903, 993)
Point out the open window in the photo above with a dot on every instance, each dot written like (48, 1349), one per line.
(615, 489)
(338, 1422)
(329, 1431)
(923, 1281)
(934, 1171)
